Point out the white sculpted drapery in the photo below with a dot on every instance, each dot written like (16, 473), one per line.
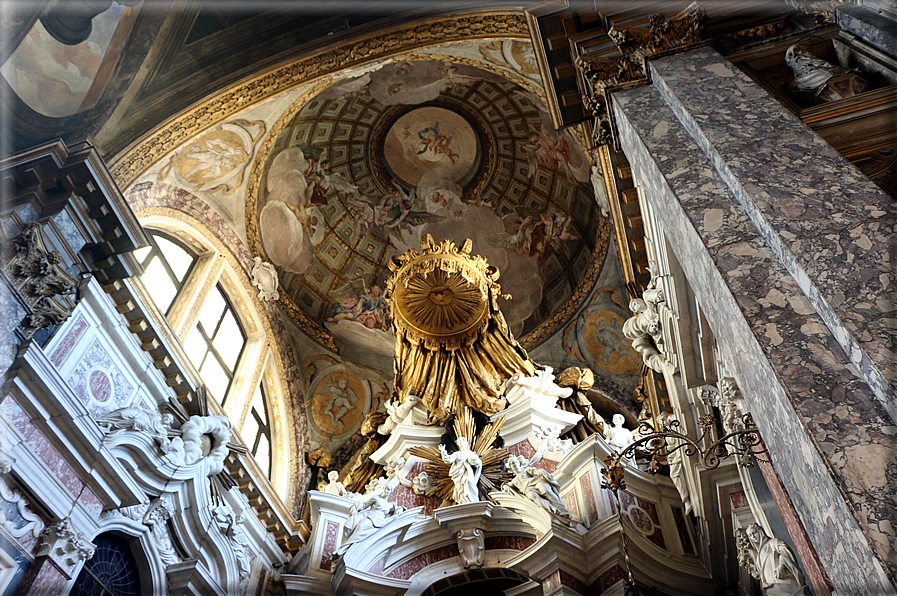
(464, 471)
(774, 564)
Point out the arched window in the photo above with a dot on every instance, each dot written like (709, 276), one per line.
(214, 345)
(166, 264)
(210, 309)
(111, 571)
(257, 430)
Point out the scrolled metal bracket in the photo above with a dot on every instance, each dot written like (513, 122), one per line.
(743, 442)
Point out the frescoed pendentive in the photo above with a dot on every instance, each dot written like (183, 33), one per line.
(361, 172)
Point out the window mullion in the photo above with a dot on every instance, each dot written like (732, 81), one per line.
(201, 281)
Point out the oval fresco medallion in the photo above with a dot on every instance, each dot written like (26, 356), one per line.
(338, 402)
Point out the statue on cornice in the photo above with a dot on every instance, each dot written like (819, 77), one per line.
(826, 81)
(537, 485)
(619, 437)
(140, 419)
(370, 513)
(453, 347)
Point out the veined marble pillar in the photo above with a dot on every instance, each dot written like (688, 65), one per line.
(786, 246)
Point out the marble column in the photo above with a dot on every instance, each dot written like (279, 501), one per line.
(785, 246)
(43, 577)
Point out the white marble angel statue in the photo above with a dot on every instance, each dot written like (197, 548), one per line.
(464, 471)
(537, 485)
(140, 419)
(370, 513)
(620, 438)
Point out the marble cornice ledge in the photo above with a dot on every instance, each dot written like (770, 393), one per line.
(303, 585)
(562, 548)
(404, 436)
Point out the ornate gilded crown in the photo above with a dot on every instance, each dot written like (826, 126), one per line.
(441, 296)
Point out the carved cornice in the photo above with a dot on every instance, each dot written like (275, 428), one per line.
(602, 76)
(148, 150)
(662, 36)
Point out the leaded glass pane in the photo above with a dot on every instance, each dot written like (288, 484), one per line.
(215, 378)
(211, 312)
(159, 285)
(178, 259)
(196, 347)
(111, 571)
(263, 454)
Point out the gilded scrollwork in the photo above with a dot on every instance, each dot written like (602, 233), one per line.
(39, 277)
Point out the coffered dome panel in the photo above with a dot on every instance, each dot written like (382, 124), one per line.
(363, 170)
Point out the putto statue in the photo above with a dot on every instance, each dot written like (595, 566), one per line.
(770, 561)
(643, 327)
(453, 347)
(620, 438)
(334, 486)
(464, 471)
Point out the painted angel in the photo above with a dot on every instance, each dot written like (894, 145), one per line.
(342, 400)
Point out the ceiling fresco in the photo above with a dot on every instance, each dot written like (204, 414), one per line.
(368, 166)
(332, 179)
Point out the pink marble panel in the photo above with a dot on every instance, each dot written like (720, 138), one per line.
(42, 578)
(329, 545)
(608, 579)
(738, 499)
(508, 542)
(91, 502)
(572, 504)
(406, 498)
(524, 449)
(588, 495)
(48, 454)
(562, 578)
(260, 585)
(682, 529)
(12, 412)
(805, 550)
(377, 567)
(415, 564)
(634, 507)
(98, 382)
(73, 333)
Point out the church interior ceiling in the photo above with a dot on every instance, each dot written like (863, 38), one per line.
(347, 159)
(330, 181)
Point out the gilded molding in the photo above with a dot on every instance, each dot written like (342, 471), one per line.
(150, 149)
(40, 279)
